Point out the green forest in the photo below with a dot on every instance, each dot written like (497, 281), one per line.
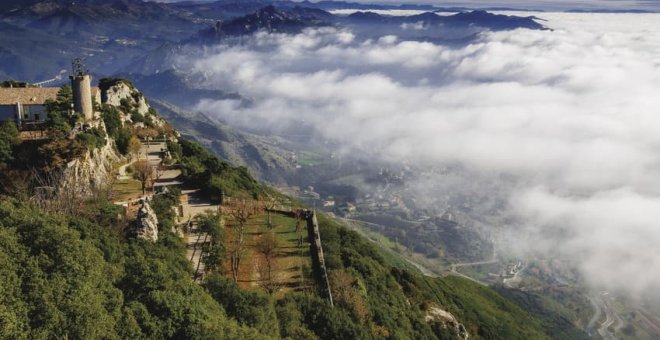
(79, 278)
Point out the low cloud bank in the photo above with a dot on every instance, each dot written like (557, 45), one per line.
(570, 116)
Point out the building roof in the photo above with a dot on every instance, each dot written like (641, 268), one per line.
(32, 95)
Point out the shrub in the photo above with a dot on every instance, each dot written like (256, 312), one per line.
(123, 139)
(137, 117)
(8, 139)
(112, 120)
(93, 138)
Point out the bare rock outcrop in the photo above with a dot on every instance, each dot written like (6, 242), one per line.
(123, 91)
(124, 95)
(87, 175)
(146, 224)
(437, 314)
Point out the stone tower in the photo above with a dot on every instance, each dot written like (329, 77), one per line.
(81, 84)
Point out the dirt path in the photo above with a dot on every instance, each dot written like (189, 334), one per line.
(425, 271)
(151, 152)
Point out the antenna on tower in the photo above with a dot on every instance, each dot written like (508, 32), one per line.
(79, 67)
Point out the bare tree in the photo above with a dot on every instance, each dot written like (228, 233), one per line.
(143, 172)
(268, 246)
(241, 210)
(134, 147)
(268, 280)
(51, 192)
(235, 250)
(270, 205)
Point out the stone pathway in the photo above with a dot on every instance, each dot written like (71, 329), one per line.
(195, 245)
(195, 240)
(152, 153)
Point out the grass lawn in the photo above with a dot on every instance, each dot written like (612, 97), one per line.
(125, 189)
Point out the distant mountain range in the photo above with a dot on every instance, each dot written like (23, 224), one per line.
(38, 38)
(268, 18)
(294, 19)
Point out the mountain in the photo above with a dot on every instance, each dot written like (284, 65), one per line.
(492, 21)
(267, 157)
(90, 17)
(108, 34)
(176, 88)
(270, 19)
(469, 19)
(38, 38)
(293, 20)
(223, 9)
(81, 272)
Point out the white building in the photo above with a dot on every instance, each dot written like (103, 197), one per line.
(27, 105)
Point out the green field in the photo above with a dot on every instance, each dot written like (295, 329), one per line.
(126, 189)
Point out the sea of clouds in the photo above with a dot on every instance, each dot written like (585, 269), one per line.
(571, 117)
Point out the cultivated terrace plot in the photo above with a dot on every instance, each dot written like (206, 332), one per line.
(275, 259)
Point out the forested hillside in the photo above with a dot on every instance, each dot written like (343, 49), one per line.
(76, 277)
(81, 274)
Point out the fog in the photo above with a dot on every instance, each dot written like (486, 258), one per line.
(570, 116)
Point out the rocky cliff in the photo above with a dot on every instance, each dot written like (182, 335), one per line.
(124, 91)
(146, 224)
(130, 101)
(90, 173)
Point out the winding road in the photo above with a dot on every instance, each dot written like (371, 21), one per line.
(597, 314)
(602, 304)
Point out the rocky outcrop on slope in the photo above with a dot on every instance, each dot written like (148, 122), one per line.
(90, 173)
(130, 102)
(121, 93)
(146, 224)
(436, 314)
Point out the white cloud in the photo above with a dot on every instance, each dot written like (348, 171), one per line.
(571, 115)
